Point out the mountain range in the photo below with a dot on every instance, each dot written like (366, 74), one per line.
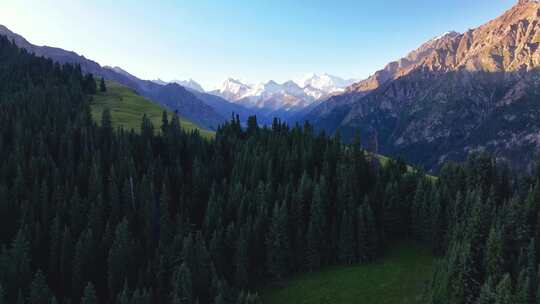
(270, 99)
(170, 95)
(282, 99)
(455, 94)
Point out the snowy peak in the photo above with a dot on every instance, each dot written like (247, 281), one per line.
(326, 83)
(233, 89)
(190, 84)
(288, 96)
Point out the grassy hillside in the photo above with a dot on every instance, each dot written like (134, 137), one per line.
(127, 109)
(399, 278)
(384, 160)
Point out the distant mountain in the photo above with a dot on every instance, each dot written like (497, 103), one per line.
(282, 100)
(188, 84)
(175, 97)
(226, 108)
(232, 89)
(324, 83)
(457, 93)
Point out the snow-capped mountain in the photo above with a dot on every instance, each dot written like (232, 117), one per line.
(189, 84)
(232, 89)
(326, 83)
(288, 96)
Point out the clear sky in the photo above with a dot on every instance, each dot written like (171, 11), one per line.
(253, 40)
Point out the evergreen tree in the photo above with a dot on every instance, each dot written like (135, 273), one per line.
(3, 299)
(241, 260)
(487, 294)
(495, 254)
(346, 240)
(277, 242)
(39, 291)
(504, 291)
(89, 295)
(102, 86)
(119, 259)
(182, 287)
(317, 227)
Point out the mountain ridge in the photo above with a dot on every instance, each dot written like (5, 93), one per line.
(282, 99)
(462, 92)
(179, 99)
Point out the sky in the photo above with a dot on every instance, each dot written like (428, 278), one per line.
(250, 40)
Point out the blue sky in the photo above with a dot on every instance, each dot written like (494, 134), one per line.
(253, 40)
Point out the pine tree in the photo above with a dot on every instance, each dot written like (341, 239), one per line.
(532, 279)
(182, 287)
(241, 261)
(119, 259)
(487, 294)
(317, 227)
(277, 242)
(494, 257)
(124, 297)
(164, 123)
(102, 86)
(66, 260)
(347, 250)
(82, 262)
(19, 271)
(39, 291)
(504, 291)
(3, 299)
(89, 295)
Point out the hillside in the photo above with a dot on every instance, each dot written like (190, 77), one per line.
(127, 109)
(172, 96)
(455, 94)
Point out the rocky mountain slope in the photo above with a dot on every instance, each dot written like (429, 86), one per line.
(172, 96)
(458, 93)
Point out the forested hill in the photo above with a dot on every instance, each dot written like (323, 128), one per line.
(116, 217)
(89, 214)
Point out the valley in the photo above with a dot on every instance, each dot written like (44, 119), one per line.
(419, 184)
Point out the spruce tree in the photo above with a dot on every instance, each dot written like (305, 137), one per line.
(3, 299)
(487, 294)
(89, 295)
(182, 286)
(494, 258)
(347, 250)
(316, 230)
(277, 242)
(102, 86)
(504, 291)
(39, 290)
(119, 259)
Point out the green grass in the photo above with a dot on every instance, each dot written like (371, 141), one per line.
(127, 109)
(384, 160)
(401, 277)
